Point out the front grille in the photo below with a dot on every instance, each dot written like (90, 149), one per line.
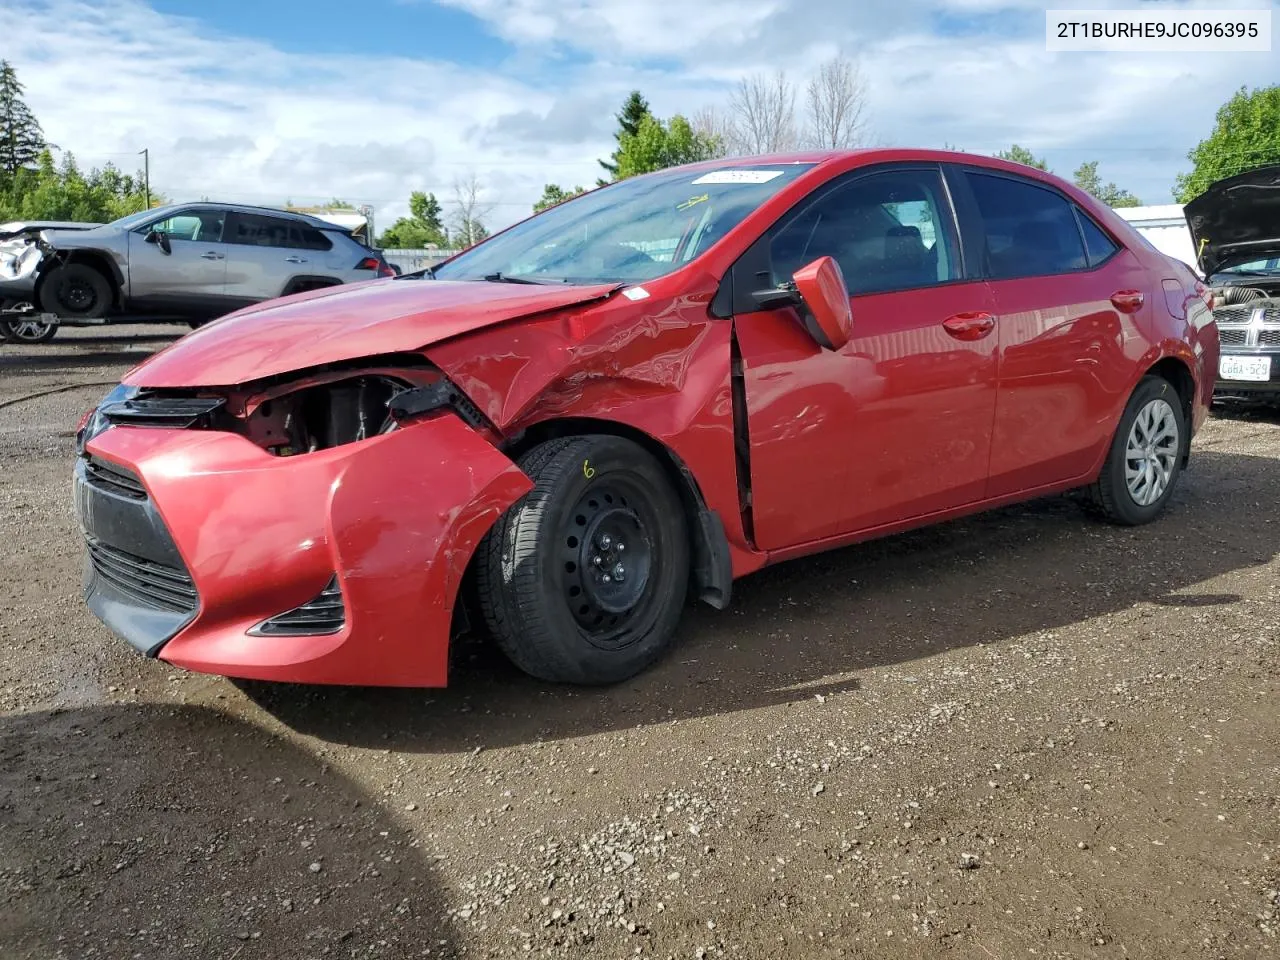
(325, 614)
(162, 411)
(1237, 314)
(1232, 336)
(113, 479)
(1271, 315)
(1269, 338)
(149, 583)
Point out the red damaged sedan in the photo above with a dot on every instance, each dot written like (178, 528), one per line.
(643, 393)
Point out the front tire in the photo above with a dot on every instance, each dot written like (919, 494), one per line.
(24, 331)
(1145, 460)
(76, 291)
(584, 579)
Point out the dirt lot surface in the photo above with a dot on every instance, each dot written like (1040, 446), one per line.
(1021, 735)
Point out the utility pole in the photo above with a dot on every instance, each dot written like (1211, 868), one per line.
(146, 173)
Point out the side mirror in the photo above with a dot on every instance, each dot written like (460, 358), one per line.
(828, 318)
(818, 292)
(159, 239)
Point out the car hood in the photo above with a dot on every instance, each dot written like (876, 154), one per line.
(16, 227)
(346, 323)
(1237, 220)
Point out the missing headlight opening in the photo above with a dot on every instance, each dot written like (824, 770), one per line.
(323, 415)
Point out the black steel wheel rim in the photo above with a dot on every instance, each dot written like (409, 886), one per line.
(608, 556)
(77, 295)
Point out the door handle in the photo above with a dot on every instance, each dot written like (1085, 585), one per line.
(1127, 301)
(295, 259)
(211, 255)
(969, 326)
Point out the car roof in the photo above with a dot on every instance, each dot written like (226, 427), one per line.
(249, 208)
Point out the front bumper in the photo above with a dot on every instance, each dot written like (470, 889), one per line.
(396, 518)
(1227, 387)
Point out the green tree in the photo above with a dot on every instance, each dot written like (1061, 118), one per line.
(21, 139)
(634, 109)
(1246, 134)
(61, 191)
(1017, 154)
(1087, 179)
(422, 228)
(657, 145)
(553, 194)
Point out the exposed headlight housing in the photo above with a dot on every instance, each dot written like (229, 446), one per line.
(95, 421)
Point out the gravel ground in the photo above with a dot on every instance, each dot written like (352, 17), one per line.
(1020, 735)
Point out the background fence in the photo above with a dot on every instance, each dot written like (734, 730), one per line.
(410, 260)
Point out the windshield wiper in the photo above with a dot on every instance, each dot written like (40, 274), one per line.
(503, 278)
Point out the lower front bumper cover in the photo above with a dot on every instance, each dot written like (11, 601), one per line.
(396, 517)
(133, 572)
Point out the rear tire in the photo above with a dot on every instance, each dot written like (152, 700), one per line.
(76, 291)
(1145, 460)
(583, 580)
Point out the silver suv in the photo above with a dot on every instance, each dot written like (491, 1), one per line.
(190, 262)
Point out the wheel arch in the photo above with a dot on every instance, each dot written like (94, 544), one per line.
(99, 260)
(1177, 373)
(301, 283)
(711, 570)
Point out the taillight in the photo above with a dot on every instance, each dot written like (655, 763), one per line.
(1205, 294)
(376, 264)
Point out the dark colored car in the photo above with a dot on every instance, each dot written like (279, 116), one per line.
(635, 396)
(1235, 225)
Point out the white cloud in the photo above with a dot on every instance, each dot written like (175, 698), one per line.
(240, 119)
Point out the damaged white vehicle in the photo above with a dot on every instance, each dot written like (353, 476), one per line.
(21, 254)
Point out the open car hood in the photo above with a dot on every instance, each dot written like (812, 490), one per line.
(346, 323)
(1237, 220)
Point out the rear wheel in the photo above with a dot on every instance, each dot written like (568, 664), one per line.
(75, 290)
(1145, 459)
(583, 580)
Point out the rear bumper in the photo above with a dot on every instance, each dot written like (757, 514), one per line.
(396, 518)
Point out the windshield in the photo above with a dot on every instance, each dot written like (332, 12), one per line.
(629, 231)
(1255, 266)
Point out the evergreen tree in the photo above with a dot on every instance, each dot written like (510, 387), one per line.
(634, 110)
(21, 139)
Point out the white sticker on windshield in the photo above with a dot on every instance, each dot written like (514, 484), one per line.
(739, 176)
(635, 293)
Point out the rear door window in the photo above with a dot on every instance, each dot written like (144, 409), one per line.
(1030, 230)
(257, 230)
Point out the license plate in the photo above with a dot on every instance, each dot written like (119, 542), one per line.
(1245, 368)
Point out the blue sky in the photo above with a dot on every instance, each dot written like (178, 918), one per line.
(305, 100)
(369, 27)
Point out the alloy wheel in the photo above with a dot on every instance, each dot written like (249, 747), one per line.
(1151, 452)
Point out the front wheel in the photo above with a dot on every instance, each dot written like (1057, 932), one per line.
(75, 290)
(1145, 459)
(25, 331)
(583, 580)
